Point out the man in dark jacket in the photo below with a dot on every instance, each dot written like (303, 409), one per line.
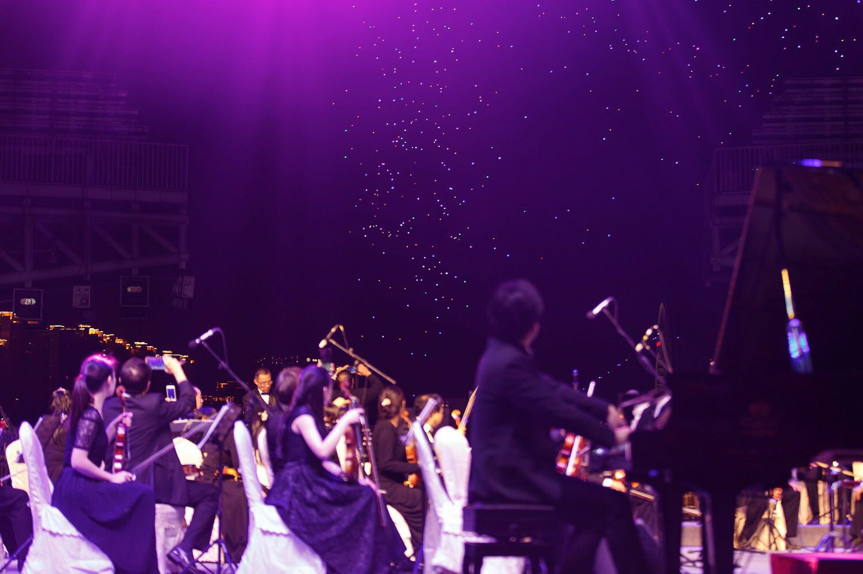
(150, 431)
(512, 453)
(255, 414)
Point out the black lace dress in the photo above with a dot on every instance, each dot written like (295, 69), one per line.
(118, 518)
(338, 520)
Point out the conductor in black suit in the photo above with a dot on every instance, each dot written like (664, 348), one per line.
(255, 415)
(150, 432)
(512, 454)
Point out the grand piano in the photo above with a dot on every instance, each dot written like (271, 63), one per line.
(754, 418)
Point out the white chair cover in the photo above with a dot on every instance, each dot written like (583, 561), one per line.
(402, 528)
(272, 547)
(447, 506)
(188, 453)
(170, 527)
(17, 469)
(57, 546)
(264, 465)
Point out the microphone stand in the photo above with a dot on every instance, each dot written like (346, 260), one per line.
(648, 366)
(349, 351)
(219, 542)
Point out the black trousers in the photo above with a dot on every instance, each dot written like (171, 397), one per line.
(595, 513)
(235, 518)
(16, 522)
(756, 504)
(857, 521)
(204, 498)
(810, 477)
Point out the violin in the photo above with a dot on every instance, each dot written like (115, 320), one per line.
(351, 466)
(413, 479)
(120, 441)
(570, 459)
(364, 449)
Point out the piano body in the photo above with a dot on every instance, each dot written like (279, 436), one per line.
(756, 419)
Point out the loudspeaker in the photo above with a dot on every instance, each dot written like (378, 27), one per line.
(27, 304)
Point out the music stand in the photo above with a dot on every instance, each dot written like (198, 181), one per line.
(216, 435)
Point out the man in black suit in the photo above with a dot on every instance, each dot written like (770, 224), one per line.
(255, 415)
(151, 431)
(512, 453)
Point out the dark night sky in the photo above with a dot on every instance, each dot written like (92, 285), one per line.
(384, 164)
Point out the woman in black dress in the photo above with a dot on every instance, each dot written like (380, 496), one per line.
(110, 510)
(338, 519)
(393, 465)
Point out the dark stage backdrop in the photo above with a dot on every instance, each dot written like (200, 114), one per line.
(383, 164)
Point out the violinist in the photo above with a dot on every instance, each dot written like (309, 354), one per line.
(512, 453)
(393, 464)
(436, 418)
(151, 432)
(364, 385)
(339, 519)
(110, 509)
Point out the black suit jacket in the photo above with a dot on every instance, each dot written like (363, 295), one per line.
(150, 431)
(252, 412)
(512, 453)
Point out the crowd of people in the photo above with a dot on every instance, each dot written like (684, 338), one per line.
(307, 415)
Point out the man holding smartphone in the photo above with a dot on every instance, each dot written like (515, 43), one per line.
(150, 432)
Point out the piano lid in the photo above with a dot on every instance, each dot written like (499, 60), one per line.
(810, 218)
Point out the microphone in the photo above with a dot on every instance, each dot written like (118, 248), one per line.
(598, 309)
(196, 342)
(326, 339)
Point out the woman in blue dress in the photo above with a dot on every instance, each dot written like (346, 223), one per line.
(110, 510)
(338, 519)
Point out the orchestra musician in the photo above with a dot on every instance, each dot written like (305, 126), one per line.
(393, 465)
(151, 432)
(255, 415)
(51, 432)
(436, 418)
(367, 392)
(286, 383)
(110, 510)
(338, 519)
(512, 452)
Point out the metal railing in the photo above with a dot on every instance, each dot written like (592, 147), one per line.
(734, 169)
(98, 163)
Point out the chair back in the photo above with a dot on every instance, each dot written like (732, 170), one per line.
(247, 463)
(263, 462)
(453, 455)
(435, 490)
(40, 485)
(188, 452)
(16, 469)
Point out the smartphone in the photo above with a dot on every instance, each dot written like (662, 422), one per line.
(157, 364)
(171, 393)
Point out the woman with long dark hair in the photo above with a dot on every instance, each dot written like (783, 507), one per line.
(337, 519)
(393, 465)
(110, 510)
